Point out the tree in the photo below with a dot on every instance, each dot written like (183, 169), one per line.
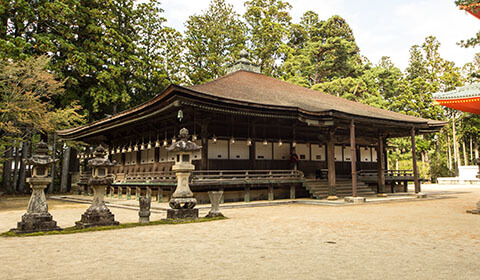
(26, 108)
(469, 5)
(213, 40)
(269, 26)
(329, 52)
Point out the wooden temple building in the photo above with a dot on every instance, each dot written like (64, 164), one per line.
(249, 125)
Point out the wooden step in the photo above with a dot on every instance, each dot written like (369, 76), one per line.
(319, 188)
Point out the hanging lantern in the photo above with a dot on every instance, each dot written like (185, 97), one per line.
(142, 146)
(294, 144)
(249, 142)
(265, 142)
(129, 148)
(194, 137)
(280, 143)
(214, 139)
(135, 148)
(232, 140)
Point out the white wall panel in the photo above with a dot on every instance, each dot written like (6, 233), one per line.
(198, 154)
(151, 155)
(163, 155)
(303, 151)
(281, 152)
(365, 155)
(143, 156)
(347, 154)
(338, 153)
(239, 150)
(263, 152)
(318, 152)
(218, 150)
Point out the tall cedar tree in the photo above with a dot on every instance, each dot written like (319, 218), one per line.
(213, 40)
(269, 26)
(325, 52)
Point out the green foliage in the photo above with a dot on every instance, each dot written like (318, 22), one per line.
(213, 40)
(269, 27)
(26, 107)
(322, 51)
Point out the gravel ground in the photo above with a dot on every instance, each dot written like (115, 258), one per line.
(429, 239)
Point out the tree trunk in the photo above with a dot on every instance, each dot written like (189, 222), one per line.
(7, 172)
(54, 153)
(16, 163)
(465, 159)
(456, 156)
(23, 169)
(471, 149)
(476, 149)
(65, 171)
(449, 154)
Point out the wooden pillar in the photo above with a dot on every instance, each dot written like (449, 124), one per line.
(414, 162)
(292, 192)
(129, 193)
(65, 171)
(112, 192)
(159, 194)
(137, 192)
(271, 195)
(148, 192)
(332, 184)
(353, 156)
(222, 200)
(119, 192)
(204, 135)
(381, 166)
(246, 197)
(54, 164)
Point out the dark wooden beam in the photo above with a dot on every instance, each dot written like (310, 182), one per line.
(332, 184)
(414, 162)
(353, 156)
(381, 166)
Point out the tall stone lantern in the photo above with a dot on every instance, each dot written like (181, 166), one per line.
(477, 210)
(182, 201)
(37, 217)
(98, 213)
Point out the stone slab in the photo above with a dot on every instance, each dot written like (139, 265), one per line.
(182, 214)
(351, 199)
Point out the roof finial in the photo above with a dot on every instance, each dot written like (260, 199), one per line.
(243, 64)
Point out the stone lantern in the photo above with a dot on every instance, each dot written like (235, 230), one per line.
(37, 217)
(182, 201)
(476, 211)
(98, 213)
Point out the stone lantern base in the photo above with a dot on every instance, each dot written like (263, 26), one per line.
(475, 211)
(182, 214)
(35, 222)
(95, 218)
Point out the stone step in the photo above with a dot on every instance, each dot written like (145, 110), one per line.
(319, 189)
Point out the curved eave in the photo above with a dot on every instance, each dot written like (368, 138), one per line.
(471, 105)
(174, 94)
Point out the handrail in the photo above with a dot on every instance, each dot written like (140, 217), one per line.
(209, 175)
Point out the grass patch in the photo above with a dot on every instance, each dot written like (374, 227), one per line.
(72, 230)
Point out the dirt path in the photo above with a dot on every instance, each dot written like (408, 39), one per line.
(432, 239)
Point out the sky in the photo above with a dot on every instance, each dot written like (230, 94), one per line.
(381, 28)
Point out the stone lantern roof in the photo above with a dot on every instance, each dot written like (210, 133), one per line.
(41, 157)
(184, 145)
(100, 160)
